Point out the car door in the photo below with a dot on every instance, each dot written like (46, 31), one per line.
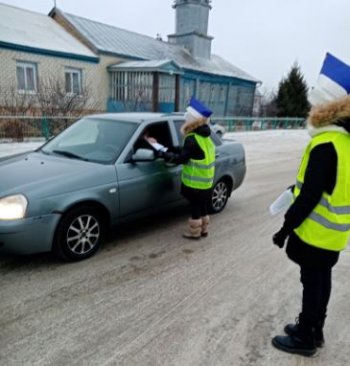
(148, 185)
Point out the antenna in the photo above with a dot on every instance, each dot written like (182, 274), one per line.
(54, 3)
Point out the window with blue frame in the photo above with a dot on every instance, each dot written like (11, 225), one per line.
(131, 86)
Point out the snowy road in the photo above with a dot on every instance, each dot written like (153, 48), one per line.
(150, 297)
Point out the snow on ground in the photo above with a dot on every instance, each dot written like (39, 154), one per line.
(255, 141)
(264, 146)
(11, 148)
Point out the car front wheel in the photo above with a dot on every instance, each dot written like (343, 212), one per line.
(79, 234)
(219, 196)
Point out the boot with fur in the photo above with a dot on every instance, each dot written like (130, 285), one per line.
(193, 229)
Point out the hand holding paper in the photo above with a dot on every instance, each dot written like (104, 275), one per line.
(282, 203)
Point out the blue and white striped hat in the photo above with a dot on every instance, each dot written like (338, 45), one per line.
(197, 109)
(333, 81)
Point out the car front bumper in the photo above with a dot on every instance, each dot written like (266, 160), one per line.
(29, 235)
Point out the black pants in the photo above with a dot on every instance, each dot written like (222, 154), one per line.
(317, 284)
(198, 209)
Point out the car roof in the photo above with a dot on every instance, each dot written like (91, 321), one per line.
(136, 117)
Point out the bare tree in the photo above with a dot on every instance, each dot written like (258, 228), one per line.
(50, 100)
(268, 103)
(14, 103)
(54, 100)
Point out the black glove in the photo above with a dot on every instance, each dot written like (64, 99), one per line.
(160, 153)
(280, 237)
(168, 156)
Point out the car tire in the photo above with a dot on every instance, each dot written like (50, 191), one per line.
(79, 234)
(219, 196)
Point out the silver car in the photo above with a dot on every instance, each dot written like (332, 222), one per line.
(99, 172)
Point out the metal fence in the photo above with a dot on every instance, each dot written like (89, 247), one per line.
(259, 123)
(22, 128)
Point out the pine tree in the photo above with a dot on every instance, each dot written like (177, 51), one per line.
(292, 95)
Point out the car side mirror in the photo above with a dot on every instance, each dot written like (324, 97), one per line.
(143, 155)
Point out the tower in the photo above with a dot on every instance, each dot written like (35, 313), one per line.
(191, 30)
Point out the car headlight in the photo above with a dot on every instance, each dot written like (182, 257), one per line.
(13, 207)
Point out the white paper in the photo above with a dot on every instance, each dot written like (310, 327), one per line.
(282, 203)
(159, 147)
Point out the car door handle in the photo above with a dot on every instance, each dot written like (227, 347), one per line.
(217, 155)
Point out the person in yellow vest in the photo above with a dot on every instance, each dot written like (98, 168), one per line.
(198, 159)
(317, 224)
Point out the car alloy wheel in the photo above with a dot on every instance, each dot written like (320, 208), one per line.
(79, 233)
(83, 234)
(219, 196)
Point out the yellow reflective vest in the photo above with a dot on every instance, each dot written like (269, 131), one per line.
(328, 225)
(199, 174)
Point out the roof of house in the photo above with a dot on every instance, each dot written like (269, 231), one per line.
(148, 65)
(28, 31)
(105, 38)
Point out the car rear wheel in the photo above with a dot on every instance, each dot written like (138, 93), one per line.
(219, 196)
(79, 234)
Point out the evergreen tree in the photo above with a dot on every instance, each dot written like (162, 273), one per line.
(291, 98)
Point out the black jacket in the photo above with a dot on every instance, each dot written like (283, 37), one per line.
(191, 149)
(320, 176)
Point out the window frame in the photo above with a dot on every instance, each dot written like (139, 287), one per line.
(25, 65)
(73, 71)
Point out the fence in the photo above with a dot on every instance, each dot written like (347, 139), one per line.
(21, 128)
(259, 123)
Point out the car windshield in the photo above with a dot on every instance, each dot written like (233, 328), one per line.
(92, 139)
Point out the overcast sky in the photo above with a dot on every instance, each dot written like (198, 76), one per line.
(262, 37)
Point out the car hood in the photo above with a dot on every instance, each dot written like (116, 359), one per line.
(43, 174)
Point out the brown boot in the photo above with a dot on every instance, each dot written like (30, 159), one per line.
(193, 229)
(205, 225)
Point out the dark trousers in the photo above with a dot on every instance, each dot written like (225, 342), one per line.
(198, 209)
(199, 200)
(317, 284)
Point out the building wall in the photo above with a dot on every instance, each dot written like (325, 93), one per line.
(95, 77)
(198, 45)
(102, 77)
(133, 91)
(225, 96)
